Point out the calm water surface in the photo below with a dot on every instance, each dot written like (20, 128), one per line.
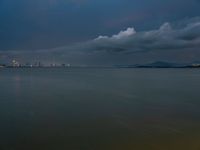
(99, 109)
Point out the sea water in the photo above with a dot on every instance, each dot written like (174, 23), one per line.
(99, 109)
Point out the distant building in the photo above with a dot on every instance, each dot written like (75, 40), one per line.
(2, 65)
(63, 65)
(40, 64)
(15, 63)
(195, 65)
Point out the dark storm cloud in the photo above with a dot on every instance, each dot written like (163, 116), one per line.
(130, 41)
(38, 24)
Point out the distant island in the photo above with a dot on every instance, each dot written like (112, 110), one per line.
(162, 64)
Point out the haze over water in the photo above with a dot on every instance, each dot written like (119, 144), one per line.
(99, 109)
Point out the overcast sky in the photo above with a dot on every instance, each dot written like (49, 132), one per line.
(100, 31)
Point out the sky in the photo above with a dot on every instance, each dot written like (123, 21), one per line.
(102, 32)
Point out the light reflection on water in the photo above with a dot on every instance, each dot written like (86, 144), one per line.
(95, 109)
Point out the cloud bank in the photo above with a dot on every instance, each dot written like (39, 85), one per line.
(122, 34)
(164, 38)
(184, 35)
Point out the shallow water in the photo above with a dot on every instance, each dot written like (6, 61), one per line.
(99, 109)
